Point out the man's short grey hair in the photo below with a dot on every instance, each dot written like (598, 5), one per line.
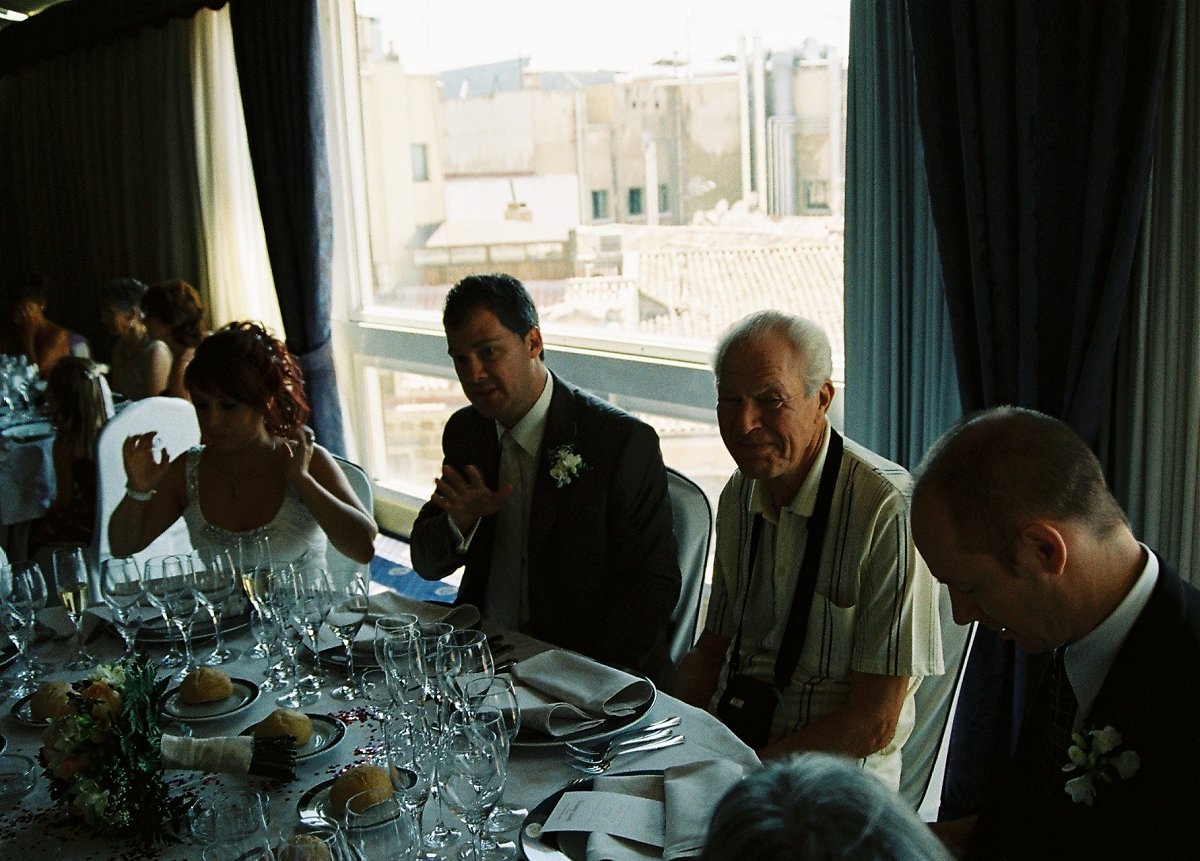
(817, 806)
(807, 338)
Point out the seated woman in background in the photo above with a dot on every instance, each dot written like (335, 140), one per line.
(26, 330)
(817, 806)
(258, 471)
(140, 364)
(80, 404)
(174, 315)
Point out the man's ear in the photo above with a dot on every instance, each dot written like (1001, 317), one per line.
(533, 341)
(825, 396)
(1042, 547)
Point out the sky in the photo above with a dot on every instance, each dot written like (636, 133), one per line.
(434, 35)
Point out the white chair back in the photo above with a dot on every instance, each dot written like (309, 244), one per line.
(357, 477)
(693, 520)
(934, 701)
(174, 421)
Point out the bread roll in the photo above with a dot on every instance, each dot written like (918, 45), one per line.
(285, 722)
(362, 786)
(306, 847)
(49, 700)
(205, 685)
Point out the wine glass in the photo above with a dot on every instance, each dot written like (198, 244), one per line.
(345, 618)
(383, 829)
(412, 761)
(228, 815)
(471, 774)
(71, 578)
(398, 652)
(216, 581)
(287, 602)
(174, 590)
(304, 839)
(437, 702)
(22, 589)
(156, 588)
(463, 655)
(316, 599)
(494, 704)
(121, 587)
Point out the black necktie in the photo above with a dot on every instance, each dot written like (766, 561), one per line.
(1062, 706)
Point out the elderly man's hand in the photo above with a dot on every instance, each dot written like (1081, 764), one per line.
(466, 497)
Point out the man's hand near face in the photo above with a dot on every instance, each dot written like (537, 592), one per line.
(465, 496)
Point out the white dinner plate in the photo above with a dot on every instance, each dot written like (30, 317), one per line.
(34, 431)
(528, 737)
(328, 731)
(22, 712)
(244, 693)
(539, 848)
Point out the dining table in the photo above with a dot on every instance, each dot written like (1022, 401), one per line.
(26, 475)
(34, 827)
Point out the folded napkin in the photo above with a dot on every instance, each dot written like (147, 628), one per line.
(647, 816)
(562, 692)
(389, 603)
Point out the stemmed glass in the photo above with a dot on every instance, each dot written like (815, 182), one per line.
(494, 703)
(382, 829)
(316, 600)
(310, 834)
(174, 589)
(287, 591)
(471, 774)
(463, 655)
(22, 594)
(71, 578)
(412, 760)
(346, 617)
(251, 556)
(436, 712)
(121, 586)
(156, 587)
(216, 582)
(398, 652)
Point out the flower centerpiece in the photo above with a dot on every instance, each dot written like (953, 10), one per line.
(104, 753)
(565, 464)
(1097, 754)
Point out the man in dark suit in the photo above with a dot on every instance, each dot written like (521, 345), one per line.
(555, 501)
(1011, 511)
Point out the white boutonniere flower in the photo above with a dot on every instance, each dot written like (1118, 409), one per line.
(565, 464)
(1097, 755)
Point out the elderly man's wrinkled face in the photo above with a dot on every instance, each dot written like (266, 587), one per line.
(771, 428)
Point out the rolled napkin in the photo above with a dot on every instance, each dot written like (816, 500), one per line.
(562, 692)
(272, 757)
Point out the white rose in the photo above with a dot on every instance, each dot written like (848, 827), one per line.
(1106, 739)
(1081, 789)
(1078, 757)
(1126, 763)
(571, 460)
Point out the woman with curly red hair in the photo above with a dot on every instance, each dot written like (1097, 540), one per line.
(258, 470)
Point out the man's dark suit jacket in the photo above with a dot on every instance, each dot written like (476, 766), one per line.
(1152, 697)
(603, 567)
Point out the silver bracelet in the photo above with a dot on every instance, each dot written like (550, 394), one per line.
(138, 495)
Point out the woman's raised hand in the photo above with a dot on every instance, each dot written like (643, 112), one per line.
(299, 447)
(142, 471)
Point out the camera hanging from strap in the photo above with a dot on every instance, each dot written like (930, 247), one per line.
(747, 705)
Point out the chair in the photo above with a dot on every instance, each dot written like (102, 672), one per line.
(334, 560)
(933, 701)
(693, 519)
(174, 420)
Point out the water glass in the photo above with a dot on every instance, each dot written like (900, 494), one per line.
(383, 829)
(471, 774)
(346, 617)
(462, 656)
(216, 582)
(157, 587)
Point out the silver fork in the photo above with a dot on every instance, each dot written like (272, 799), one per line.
(638, 734)
(603, 765)
(594, 756)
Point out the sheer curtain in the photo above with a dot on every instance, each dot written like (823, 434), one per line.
(234, 248)
(1153, 444)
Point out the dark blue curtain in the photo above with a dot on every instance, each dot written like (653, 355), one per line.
(277, 49)
(1037, 118)
(900, 392)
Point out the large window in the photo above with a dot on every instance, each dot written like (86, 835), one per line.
(649, 189)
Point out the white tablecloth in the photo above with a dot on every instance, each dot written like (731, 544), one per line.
(26, 478)
(534, 774)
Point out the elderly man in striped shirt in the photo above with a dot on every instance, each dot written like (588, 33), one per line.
(823, 618)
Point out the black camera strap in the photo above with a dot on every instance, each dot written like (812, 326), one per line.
(797, 625)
